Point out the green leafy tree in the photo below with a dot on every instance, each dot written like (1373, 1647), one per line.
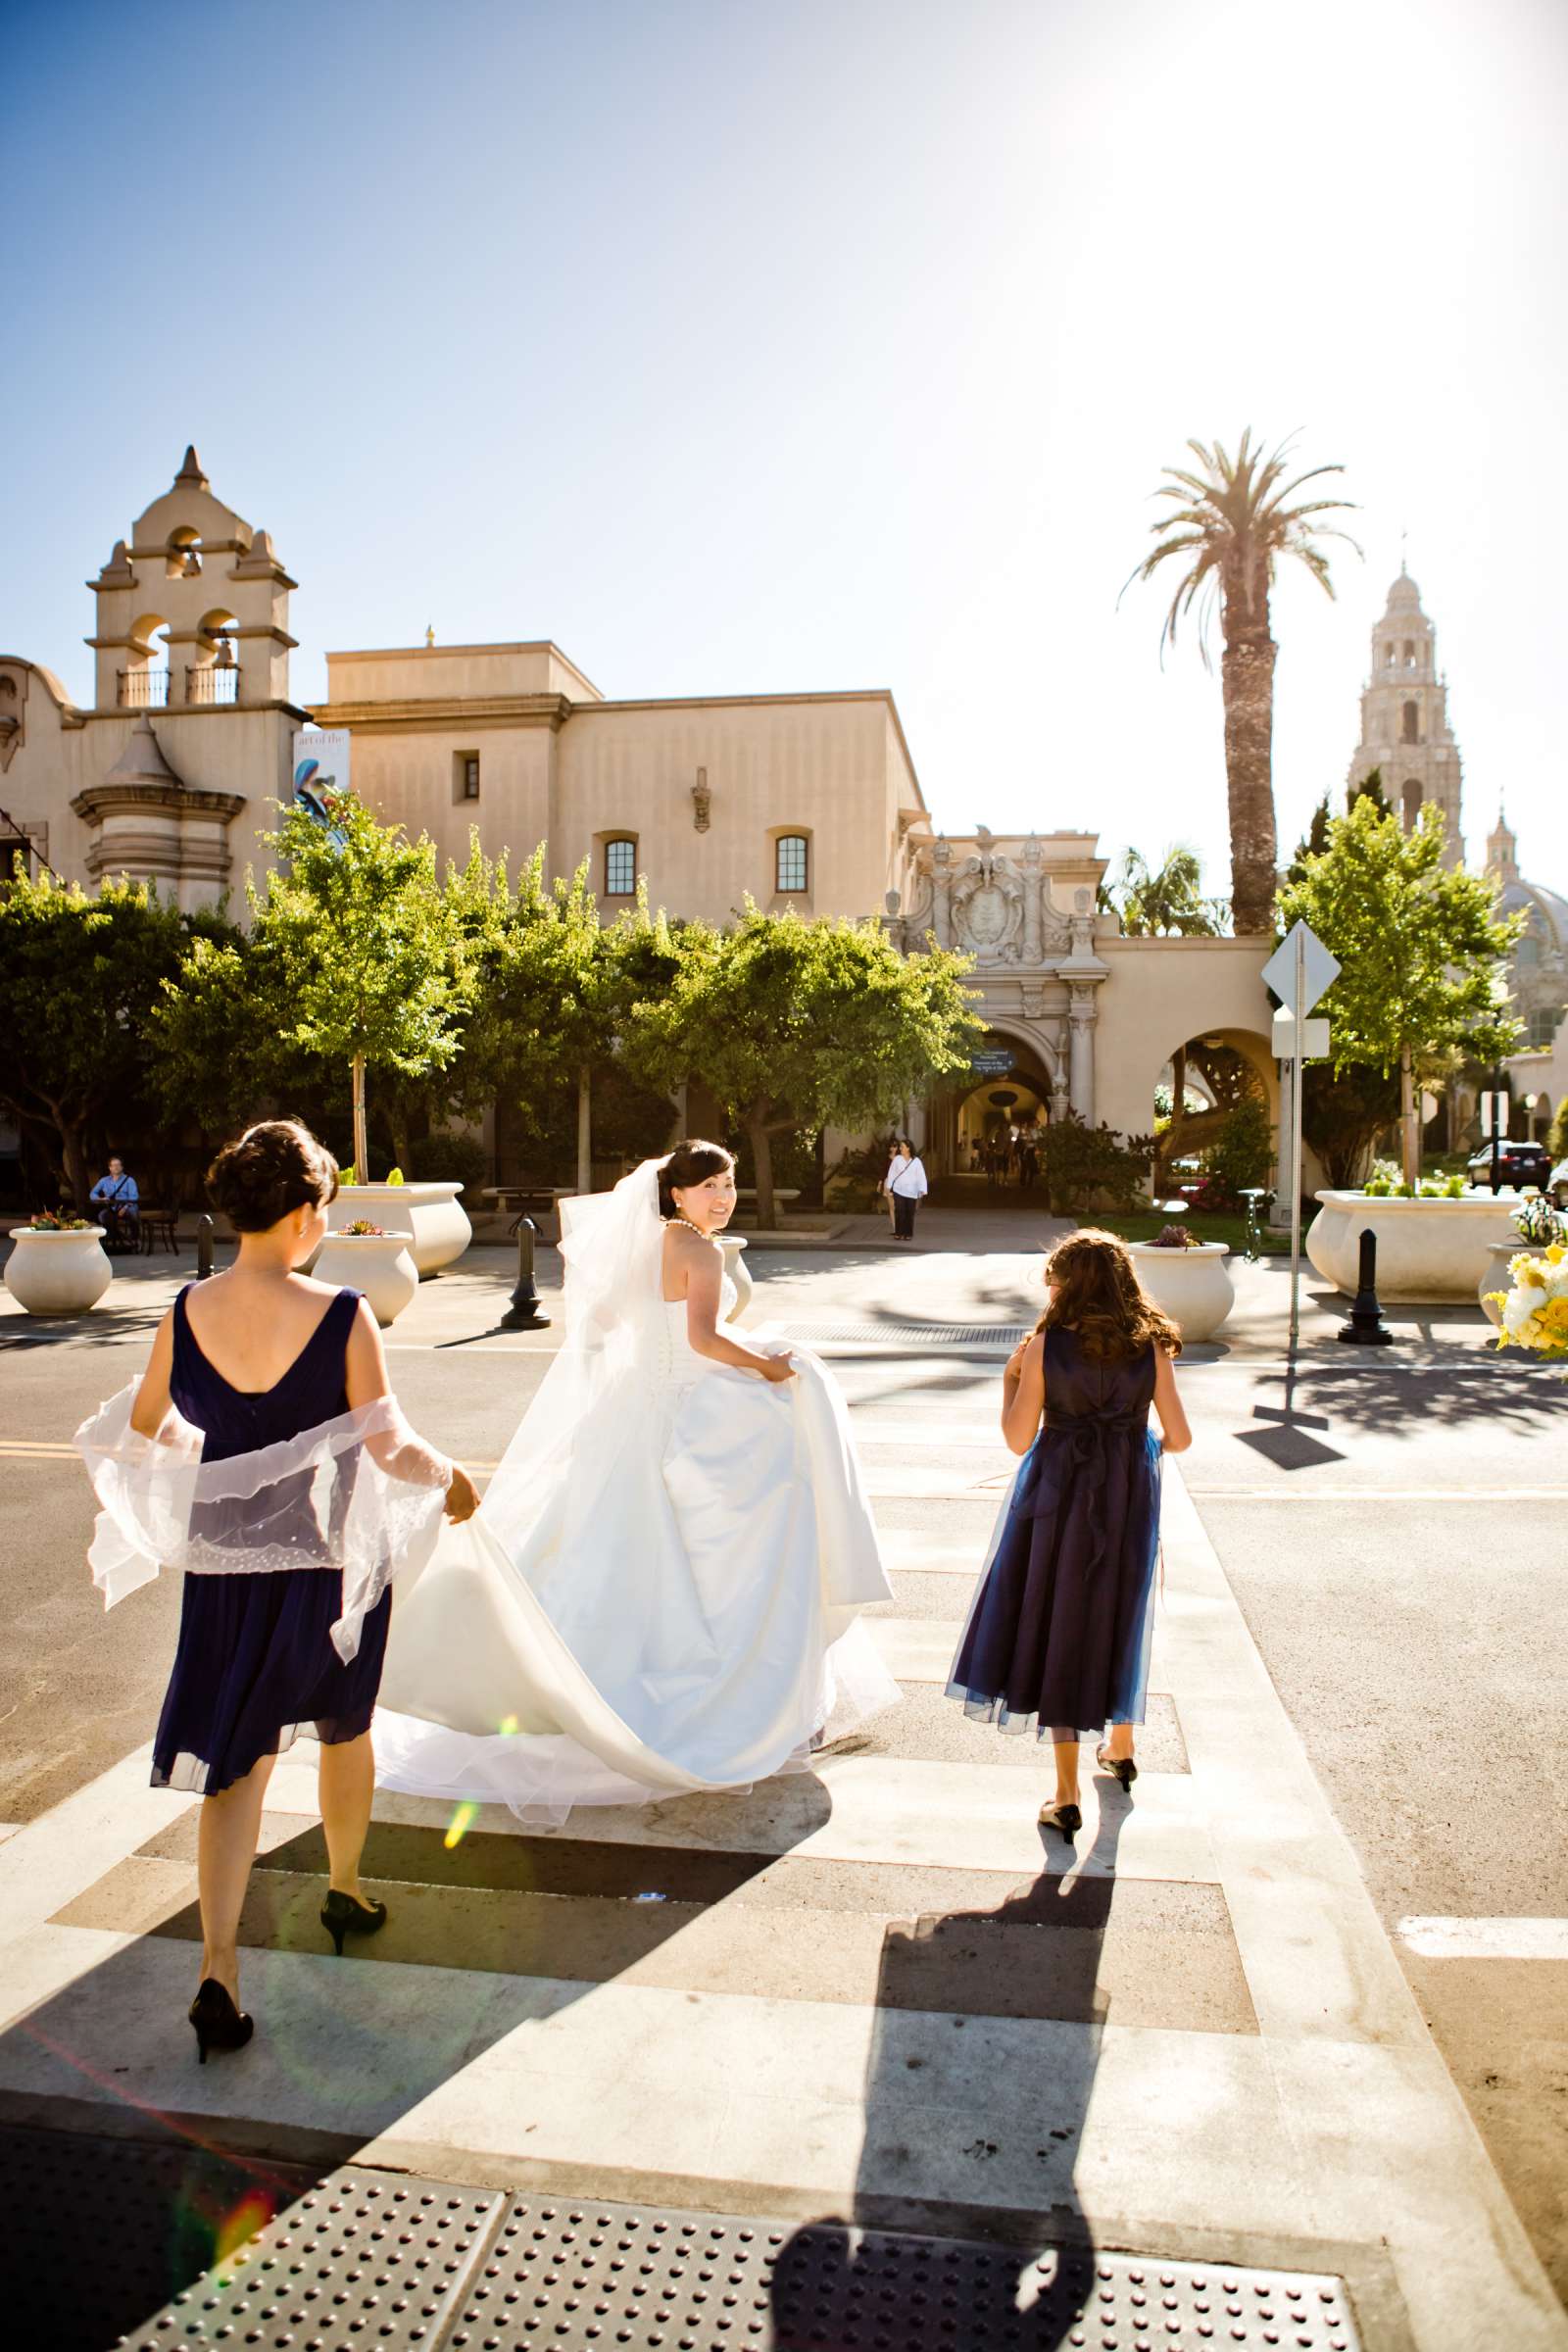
(80, 979)
(798, 1023)
(1344, 1111)
(1559, 1131)
(1423, 951)
(1159, 902)
(556, 1005)
(356, 955)
(1228, 525)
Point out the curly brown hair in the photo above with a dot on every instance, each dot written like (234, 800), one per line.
(1099, 1296)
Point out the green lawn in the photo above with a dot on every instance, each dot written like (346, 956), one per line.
(1144, 1224)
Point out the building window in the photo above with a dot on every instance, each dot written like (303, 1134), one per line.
(1412, 722)
(790, 861)
(470, 775)
(1387, 655)
(1542, 1028)
(1410, 803)
(15, 855)
(620, 867)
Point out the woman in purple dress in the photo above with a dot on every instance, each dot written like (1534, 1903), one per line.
(250, 1360)
(1058, 1634)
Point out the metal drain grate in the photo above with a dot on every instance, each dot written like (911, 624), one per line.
(582, 2278)
(368, 2258)
(910, 1335)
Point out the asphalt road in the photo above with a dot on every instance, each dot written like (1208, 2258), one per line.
(1392, 1525)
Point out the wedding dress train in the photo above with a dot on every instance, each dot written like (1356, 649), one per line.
(659, 1593)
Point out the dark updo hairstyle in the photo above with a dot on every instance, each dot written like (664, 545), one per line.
(273, 1168)
(691, 1162)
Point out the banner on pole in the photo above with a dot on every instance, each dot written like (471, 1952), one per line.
(320, 765)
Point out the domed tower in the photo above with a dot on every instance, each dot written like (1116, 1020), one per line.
(1404, 719)
(1537, 968)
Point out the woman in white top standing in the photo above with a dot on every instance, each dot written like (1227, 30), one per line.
(904, 1184)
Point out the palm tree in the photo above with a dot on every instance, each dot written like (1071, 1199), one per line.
(1230, 522)
(1155, 901)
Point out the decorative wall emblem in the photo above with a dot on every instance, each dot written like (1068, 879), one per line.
(702, 802)
(988, 908)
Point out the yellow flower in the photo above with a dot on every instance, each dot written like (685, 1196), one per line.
(1532, 1270)
(1556, 1254)
(1552, 1318)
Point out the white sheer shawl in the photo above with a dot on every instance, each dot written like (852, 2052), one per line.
(359, 1493)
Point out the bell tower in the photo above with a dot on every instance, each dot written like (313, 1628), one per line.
(1404, 719)
(194, 613)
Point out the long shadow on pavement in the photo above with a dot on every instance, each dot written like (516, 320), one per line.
(947, 2112)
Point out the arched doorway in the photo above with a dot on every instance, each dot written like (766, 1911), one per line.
(1208, 1078)
(991, 1117)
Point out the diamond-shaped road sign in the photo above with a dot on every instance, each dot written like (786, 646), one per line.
(1319, 970)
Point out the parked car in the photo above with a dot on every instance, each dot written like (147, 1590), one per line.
(1516, 1161)
(1557, 1184)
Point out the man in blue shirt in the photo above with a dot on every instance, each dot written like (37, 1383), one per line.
(118, 1204)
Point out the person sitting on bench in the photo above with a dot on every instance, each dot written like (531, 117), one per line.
(118, 1205)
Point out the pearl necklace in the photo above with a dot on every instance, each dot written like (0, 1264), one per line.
(679, 1219)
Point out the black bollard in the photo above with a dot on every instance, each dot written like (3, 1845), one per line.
(524, 1314)
(1366, 1327)
(204, 1248)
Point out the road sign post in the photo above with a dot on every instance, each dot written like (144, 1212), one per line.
(1299, 972)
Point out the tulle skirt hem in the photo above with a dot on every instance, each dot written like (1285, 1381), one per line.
(193, 1776)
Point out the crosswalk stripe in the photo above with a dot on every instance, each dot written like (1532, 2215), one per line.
(1486, 1938)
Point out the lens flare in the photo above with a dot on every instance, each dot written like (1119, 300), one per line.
(508, 1726)
(253, 2212)
(461, 1823)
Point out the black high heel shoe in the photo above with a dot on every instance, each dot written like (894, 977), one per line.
(218, 2025)
(1065, 1820)
(1120, 1768)
(342, 1916)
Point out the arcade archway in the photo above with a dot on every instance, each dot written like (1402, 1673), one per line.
(988, 1119)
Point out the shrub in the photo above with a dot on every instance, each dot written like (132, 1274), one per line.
(1093, 1167)
(1559, 1131)
(1238, 1161)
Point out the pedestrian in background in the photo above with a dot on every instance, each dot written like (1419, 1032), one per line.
(905, 1187)
(1058, 1633)
(263, 1451)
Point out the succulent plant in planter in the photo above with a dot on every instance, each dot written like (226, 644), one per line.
(363, 1225)
(1175, 1237)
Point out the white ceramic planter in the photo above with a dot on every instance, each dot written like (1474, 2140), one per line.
(1427, 1249)
(734, 1246)
(377, 1263)
(431, 1215)
(56, 1273)
(1193, 1286)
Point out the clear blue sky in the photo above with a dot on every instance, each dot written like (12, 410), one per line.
(827, 344)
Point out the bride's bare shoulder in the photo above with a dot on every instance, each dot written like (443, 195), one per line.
(686, 1251)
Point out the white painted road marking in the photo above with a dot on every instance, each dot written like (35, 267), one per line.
(1486, 1938)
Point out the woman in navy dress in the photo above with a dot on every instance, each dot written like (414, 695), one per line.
(1058, 1634)
(253, 1357)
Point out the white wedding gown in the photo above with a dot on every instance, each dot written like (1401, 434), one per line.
(659, 1593)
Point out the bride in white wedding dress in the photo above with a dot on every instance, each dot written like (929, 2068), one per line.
(659, 1593)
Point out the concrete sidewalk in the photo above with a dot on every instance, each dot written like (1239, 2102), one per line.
(868, 1990)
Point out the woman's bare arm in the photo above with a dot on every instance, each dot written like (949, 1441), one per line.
(152, 1400)
(1023, 1393)
(365, 1382)
(1168, 1405)
(702, 1264)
